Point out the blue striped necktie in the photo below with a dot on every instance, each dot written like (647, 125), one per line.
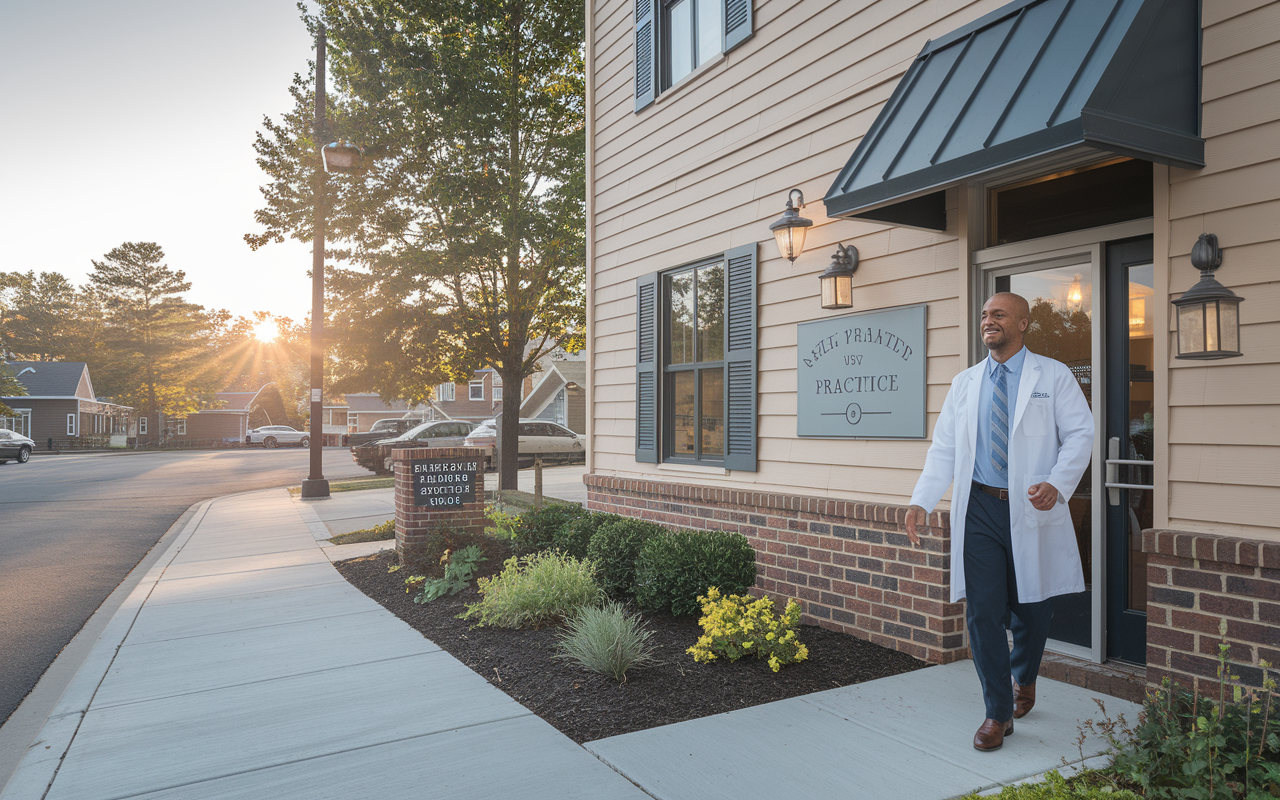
(1000, 422)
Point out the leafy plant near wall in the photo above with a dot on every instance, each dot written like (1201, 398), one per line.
(503, 522)
(534, 590)
(459, 569)
(675, 567)
(607, 640)
(537, 529)
(614, 547)
(575, 536)
(1056, 787)
(737, 626)
(1189, 746)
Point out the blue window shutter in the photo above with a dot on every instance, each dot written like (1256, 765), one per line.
(646, 53)
(647, 307)
(739, 22)
(740, 360)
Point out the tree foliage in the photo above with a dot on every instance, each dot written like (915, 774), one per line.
(467, 231)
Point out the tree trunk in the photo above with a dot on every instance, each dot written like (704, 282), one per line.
(510, 436)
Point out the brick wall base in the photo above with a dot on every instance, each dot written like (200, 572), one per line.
(414, 524)
(1195, 583)
(849, 565)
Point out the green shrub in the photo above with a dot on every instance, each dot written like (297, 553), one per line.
(741, 625)
(575, 536)
(537, 529)
(1055, 787)
(459, 569)
(614, 547)
(503, 524)
(535, 589)
(675, 567)
(607, 640)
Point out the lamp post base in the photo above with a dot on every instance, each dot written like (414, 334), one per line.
(315, 489)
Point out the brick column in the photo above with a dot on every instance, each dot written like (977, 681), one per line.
(414, 523)
(1195, 582)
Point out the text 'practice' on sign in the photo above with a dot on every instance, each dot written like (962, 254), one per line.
(444, 482)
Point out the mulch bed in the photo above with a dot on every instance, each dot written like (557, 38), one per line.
(586, 706)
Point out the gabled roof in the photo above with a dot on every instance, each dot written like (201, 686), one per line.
(235, 401)
(54, 378)
(1033, 78)
(366, 402)
(558, 375)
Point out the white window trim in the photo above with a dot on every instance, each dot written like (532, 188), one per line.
(446, 393)
(497, 393)
(142, 425)
(471, 390)
(180, 427)
(71, 424)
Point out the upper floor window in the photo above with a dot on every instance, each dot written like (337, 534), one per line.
(675, 37)
(445, 393)
(497, 392)
(477, 390)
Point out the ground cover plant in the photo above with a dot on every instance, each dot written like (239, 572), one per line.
(741, 625)
(586, 705)
(608, 639)
(535, 590)
(459, 569)
(378, 533)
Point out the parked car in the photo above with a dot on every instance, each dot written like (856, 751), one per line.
(382, 429)
(276, 435)
(377, 456)
(15, 447)
(553, 442)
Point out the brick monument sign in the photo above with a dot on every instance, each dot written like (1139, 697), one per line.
(437, 488)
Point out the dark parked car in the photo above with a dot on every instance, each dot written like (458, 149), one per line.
(376, 456)
(382, 429)
(15, 447)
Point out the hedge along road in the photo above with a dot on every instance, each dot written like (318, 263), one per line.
(73, 526)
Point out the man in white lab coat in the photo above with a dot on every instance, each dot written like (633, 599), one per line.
(1014, 437)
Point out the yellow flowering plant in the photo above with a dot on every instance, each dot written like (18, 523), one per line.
(740, 625)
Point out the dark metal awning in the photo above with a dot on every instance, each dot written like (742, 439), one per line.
(1032, 78)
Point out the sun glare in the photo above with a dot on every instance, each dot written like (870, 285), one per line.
(265, 331)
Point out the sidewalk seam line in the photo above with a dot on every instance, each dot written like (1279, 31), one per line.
(320, 755)
(250, 628)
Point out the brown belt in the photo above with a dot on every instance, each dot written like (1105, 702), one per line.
(1003, 494)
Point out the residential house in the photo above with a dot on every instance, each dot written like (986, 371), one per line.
(560, 395)
(477, 399)
(60, 410)
(1072, 151)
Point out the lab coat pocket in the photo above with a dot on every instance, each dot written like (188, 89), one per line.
(1037, 420)
(1034, 515)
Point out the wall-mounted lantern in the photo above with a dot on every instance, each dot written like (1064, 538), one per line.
(342, 157)
(1209, 313)
(789, 231)
(837, 280)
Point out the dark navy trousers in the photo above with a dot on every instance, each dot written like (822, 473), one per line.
(991, 590)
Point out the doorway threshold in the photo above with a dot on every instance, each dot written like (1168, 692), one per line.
(1115, 678)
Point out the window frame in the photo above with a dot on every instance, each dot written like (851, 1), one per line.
(71, 424)
(669, 371)
(471, 390)
(446, 393)
(142, 425)
(651, 63)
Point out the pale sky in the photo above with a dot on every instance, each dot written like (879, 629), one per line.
(134, 120)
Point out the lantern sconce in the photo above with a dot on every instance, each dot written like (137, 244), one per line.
(790, 229)
(837, 280)
(1208, 313)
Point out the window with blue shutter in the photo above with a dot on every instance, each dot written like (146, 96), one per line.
(696, 363)
(675, 37)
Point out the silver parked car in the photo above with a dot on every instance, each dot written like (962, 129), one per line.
(276, 435)
(15, 447)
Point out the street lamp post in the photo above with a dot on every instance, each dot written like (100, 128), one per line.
(316, 487)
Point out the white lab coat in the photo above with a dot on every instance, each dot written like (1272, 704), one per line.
(1051, 439)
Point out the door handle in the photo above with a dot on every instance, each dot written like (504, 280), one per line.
(1114, 461)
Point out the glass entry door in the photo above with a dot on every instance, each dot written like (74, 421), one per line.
(1061, 300)
(1129, 442)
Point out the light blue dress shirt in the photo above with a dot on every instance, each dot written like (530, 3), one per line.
(983, 470)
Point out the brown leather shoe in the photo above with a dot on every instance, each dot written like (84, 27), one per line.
(991, 735)
(1024, 697)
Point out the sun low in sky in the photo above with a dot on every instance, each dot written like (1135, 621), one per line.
(266, 331)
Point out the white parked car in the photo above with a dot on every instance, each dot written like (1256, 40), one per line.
(554, 442)
(276, 435)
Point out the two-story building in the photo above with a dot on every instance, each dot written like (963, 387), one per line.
(773, 361)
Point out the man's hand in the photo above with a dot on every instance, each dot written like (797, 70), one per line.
(1043, 495)
(915, 516)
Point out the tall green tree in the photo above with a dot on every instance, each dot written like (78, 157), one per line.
(467, 231)
(154, 352)
(42, 321)
(10, 386)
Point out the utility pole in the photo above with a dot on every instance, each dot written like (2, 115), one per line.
(316, 487)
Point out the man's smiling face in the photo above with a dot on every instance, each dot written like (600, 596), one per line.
(1005, 318)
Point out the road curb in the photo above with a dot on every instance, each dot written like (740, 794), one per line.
(43, 727)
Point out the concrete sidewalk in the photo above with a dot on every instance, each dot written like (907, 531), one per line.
(244, 666)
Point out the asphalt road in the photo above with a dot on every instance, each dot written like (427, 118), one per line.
(73, 526)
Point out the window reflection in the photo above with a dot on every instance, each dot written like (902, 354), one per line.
(684, 414)
(713, 412)
(711, 313)
(682, 315)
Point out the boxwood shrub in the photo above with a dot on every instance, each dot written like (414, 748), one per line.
(536, 530)
(575, 536)
(614, 548)
(674, 567)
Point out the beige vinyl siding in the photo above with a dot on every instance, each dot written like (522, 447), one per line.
(707, 168)
(1224, 416)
